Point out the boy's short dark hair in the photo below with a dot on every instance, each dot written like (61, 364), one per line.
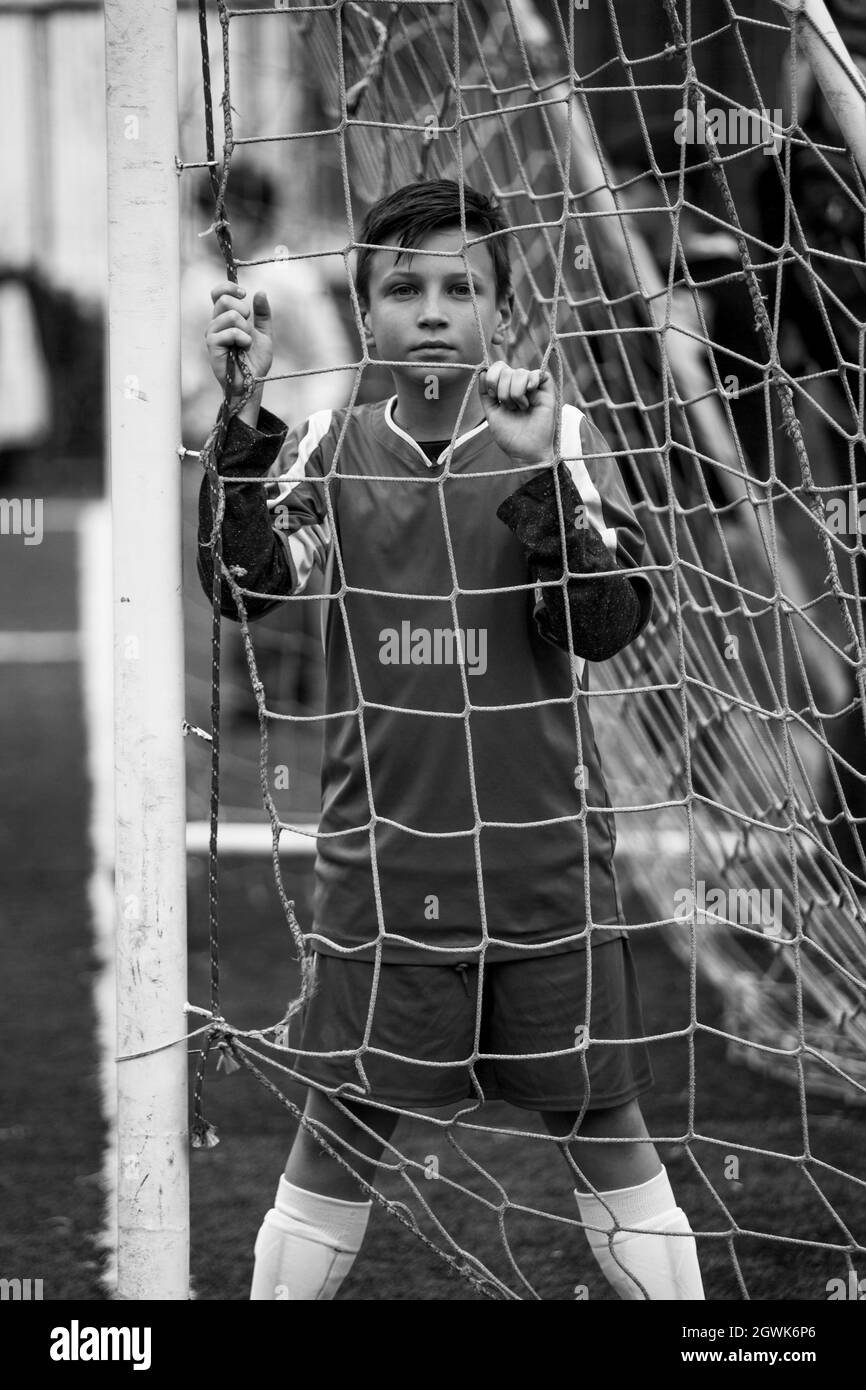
(409, 214)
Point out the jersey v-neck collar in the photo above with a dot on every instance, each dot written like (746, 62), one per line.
(392, 425)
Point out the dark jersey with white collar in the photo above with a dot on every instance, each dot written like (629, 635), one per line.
(463, 801)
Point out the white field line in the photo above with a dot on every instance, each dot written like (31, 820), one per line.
(38, 648)
(93, 524)
(254, 837)
(63, 513)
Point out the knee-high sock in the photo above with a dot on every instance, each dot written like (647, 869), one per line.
(306, 1245)
(661, 1253)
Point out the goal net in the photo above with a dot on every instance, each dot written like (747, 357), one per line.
(689, 262)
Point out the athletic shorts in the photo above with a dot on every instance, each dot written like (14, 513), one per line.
(421, 1050)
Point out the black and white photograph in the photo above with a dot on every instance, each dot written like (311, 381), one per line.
(432, 571)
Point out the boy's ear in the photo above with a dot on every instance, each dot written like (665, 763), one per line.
(369, 339)
(505, 314)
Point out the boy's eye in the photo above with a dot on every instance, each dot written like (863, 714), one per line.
(403, 291)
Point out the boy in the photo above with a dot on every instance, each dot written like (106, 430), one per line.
(455, 874)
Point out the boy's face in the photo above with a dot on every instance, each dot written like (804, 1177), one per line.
(420, 307)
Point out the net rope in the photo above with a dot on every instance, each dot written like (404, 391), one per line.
(491, 94)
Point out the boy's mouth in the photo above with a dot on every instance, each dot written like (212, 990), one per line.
(433, 347)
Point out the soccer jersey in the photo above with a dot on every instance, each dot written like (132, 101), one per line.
(463, 801)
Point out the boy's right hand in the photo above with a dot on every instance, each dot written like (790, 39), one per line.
(240, 325)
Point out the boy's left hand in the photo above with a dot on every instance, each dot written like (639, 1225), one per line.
(520, 408)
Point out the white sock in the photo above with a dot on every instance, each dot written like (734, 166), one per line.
(306, 1245)
(662, 1254)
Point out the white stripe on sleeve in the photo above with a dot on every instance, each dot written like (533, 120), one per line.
(310, 544)
(572, 450)
(309, 547)
(285, 483)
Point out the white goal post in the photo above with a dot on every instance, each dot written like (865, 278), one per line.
(842, 83)
(150, 859)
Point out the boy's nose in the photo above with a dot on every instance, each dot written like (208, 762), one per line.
(431, 311)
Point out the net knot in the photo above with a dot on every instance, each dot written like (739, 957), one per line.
(204, 1135)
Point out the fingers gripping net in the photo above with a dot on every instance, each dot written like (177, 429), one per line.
(687, 288)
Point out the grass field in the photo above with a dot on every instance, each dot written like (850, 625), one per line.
(233, 1182)
(52, 1133)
